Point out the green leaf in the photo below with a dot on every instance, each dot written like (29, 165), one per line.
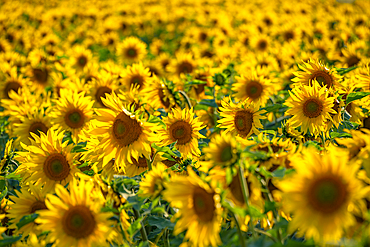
(201, 107)
(270, 206)
(339, 135)
(197, 82)
(208, 102)
(160, 222)
(355, 96)
(134, 227)
(4, 192)
(273, 107)
(343, 71)
(26, 220)
(7, 241)
(229, 175)
(279, 173)
(254, 212)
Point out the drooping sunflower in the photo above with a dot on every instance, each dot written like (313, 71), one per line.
(182, 128)
(242, 118)
(316, 70)
(47, 161)
(153, 183)
(321, 194)
(221, 151)
(36, 121)
(277, 149)
(131, 50)
(310, 107)
(135, 75)
(255, 88)
(157, 94)
(74, 217)
(139, 166)
(123, 135)
(28, 201)
(199, 209)
(72, 112)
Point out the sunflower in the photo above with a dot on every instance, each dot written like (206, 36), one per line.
(105, 84)
(35, 121)
(131, 50)
(47, 161)
(252, 87)
(199, 209)
(39, 77)
(316, 70)
(278, 151)
(135, 75)
(74, 218)
(182, 65)
(141, 165)
(28, 201)
(72, 112)
(221, 151)
(311, 107)
(153, 184)
(182, 128)
(157, 94)
(123, 136)
(79, 58)
(11, 82)
(321, 194)
(242, 118)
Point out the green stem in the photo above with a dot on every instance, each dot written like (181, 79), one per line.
(245, 191)
(186, 98)
(149, 163)
(166, 240)
(142, 228)
(266, 234)
(240, 233)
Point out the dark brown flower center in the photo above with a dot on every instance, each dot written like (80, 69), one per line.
(181, 131)
(137, 80)
(254, 90)
(126, 130)
(37, 127)
(185, 68)
(11, 86)
(37, 205)
(323, 78)
(131, 53)
(327, 194)
(353, 60)
(312, 108)
(243, 122)
(56, 167)
(204, 204)
(100, 93)
(74, 118)
(40, 75)
(81, 61)
(78, 222)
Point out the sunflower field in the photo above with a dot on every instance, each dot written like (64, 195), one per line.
(184, 123)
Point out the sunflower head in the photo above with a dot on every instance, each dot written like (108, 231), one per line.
(314, 70)
(321, 192)
(311, 107)
(242, 118)
(131, 50)
(182, 128)
(199, 208)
